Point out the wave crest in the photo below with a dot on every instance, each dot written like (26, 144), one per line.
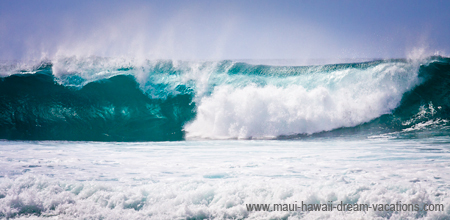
(124, 100)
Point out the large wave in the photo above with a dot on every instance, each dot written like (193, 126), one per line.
(116, 99)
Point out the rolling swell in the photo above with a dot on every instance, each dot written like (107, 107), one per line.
(427, 106)
(424, 111)
(35, 107)
(225, 100)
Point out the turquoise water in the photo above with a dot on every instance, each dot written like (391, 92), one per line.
(116, 138)
(106, 99)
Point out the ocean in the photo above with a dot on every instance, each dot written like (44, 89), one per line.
(119, 138)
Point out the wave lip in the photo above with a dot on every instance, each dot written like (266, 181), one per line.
(320, 101)
(106, 99)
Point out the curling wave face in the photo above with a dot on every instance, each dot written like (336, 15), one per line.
(106, 99)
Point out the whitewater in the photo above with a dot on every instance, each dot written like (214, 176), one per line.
(115, 138)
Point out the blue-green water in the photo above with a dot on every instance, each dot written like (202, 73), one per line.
(110, 138)
(100, 99)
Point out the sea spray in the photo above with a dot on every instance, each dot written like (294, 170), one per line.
(118, 99)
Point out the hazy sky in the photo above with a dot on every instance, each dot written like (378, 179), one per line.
(222, 29)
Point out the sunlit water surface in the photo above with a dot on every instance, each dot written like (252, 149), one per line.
(216, 179)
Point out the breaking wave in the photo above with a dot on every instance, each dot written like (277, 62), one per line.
(116, 99)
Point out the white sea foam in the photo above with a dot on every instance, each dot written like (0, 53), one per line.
(214, 180)
(308, 103)
(259, 101)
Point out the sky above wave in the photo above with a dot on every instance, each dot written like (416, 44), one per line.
(223, 29)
